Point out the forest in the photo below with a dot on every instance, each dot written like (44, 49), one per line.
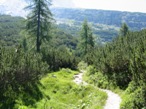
(135, 20)
(40, 57)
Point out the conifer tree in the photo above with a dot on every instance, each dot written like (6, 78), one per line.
(124, 29)
(87, 40)
(39, 21)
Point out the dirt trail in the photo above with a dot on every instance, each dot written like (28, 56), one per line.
(113, 101)
(78, 79)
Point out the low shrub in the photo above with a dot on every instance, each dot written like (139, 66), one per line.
(98, 79)
(134, 97)
(82, 65)
(59, 58)
(19, 72)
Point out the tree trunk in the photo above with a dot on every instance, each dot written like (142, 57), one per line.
(38, 30)
(86, 39)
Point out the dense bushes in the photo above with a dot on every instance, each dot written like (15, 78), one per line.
(121, 62)
(18, 72)
(99, 79)
(134, 97)
(123, 59)
(59, 58)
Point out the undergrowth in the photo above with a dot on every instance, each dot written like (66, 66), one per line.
(60, 92)
(100, 80)
(134, 97)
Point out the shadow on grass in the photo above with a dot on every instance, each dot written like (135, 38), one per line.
(26, 95)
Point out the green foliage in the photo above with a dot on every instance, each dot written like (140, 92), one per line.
(134, 97)
(82, 65)
(98, 79)
(60, 57)
(90, 70)
(86, 46)
(61, 38)
(120, 62)
(10, 28)
(19, 73)
(124, 29)
(61, 93)
(12, 35)
(39, 21)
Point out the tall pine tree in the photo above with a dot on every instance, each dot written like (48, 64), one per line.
(39, 21)
(87, 41)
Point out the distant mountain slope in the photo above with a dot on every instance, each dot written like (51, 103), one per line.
(10, 28)
(136, 21)
(102, 33)
(10, 36)
(105, 24)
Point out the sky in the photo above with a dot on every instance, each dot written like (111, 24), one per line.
(13, 7)
(121, 5)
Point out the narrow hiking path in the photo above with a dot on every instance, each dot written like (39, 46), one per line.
(78, 79)
(113, 100)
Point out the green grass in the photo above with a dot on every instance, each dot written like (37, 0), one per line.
(60, 92)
